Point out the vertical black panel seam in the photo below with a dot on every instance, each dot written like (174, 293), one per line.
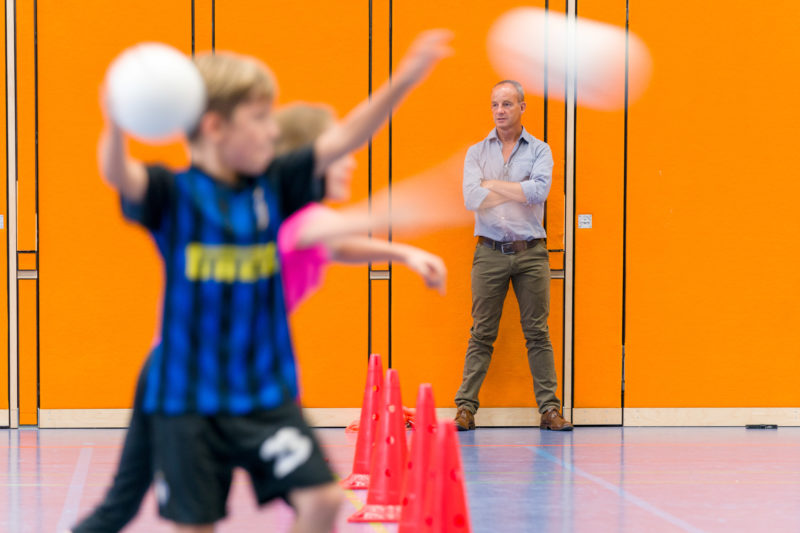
(391, 10)
(574, 206)
(369, 186)
(16, 179)
(625, 212)
(544, 129)
(213, 27)
(546, 66)
(37, 246)
(36, 194)
(192, 28)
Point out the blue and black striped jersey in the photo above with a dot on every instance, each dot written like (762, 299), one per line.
(225, 344)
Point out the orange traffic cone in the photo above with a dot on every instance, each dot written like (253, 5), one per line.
(446, 503)
(418, 465)
(388, 460)
(370, 407)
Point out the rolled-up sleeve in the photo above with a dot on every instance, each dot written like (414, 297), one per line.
(474, 194)
(537, 186)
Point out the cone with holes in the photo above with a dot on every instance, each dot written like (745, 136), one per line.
(418, 464)
(388, 459)
(367, 426)
(446, 501)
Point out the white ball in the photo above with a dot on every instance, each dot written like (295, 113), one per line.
(523, 41)
(154, 92)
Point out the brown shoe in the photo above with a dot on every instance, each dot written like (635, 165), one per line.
(553, 421)
(465, 420)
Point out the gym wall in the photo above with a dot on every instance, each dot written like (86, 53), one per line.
(685, 279)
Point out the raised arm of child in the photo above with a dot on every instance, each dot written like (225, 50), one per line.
(125, 174)
(364, 120)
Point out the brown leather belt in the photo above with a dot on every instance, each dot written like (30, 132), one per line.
(508, 248)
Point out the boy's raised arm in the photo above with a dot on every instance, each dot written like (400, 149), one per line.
(126, 175)
(363, 121)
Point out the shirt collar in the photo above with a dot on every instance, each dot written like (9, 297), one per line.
(527, 137)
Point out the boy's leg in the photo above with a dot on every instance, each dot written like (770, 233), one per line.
(133, 477)
(284, 460)
(316, 508)
(192, 472)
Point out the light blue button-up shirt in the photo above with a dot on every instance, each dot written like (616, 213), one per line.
(530, 165)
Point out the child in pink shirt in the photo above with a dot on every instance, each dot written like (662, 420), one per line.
(317, 235)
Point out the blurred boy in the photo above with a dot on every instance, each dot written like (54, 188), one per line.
(220, 387)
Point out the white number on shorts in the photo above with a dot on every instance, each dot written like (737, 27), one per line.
(161, 488)
(289, 448)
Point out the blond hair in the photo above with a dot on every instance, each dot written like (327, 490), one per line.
(301, 124)
(230, 80)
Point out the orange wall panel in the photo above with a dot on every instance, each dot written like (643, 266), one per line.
(330, 339)
(26, 129)
(4, 399)
(712, 275)
(28, 363)
(26, 212)
(203, 25)
(100, 277)
(319, 52)
(380, 321)
(556, 204)
(709, 177)
(26, 261)
(599, 191)
(380, 167)
(554, 136)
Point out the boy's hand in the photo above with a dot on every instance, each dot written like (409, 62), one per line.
(429, 266)
(427, 49)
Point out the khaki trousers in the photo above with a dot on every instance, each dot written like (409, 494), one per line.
(529, 274)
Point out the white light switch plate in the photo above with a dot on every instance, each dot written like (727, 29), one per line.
(585, 221)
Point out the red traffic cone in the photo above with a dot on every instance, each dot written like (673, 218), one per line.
(367, 426)
(446, 505)
(418, 464)
(388, 460)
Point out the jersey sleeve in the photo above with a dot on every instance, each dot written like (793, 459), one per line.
(293, 179)
(157, 199)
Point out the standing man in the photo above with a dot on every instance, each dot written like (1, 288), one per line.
(507, 179)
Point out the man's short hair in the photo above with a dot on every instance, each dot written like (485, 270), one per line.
(514, 83)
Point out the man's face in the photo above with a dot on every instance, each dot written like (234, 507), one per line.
(248, 137)
(506, 107)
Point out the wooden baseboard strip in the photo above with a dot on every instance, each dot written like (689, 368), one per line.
(486, 417)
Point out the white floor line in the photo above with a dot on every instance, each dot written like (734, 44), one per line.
(639, 502)
(69, 513)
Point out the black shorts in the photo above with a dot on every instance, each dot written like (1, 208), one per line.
(194, 457)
